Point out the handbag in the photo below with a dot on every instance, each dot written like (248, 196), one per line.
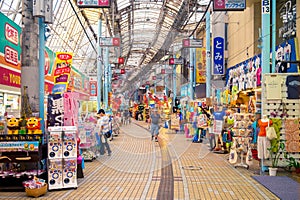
(107, 134)
(271, 133)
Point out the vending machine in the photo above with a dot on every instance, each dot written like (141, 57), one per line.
(70, 172)
(55, 142)
(69, 142)
(55, 175)
(62, 157)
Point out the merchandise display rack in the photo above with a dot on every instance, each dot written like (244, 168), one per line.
(20, 160)
(292, 107)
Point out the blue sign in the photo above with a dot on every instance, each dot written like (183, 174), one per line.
(218, 57)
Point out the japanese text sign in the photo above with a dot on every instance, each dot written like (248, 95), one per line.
(218, 56)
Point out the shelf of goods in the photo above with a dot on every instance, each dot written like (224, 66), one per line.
(62, 157)
(281, 103)
(87, 141)
(242, 139)
(21, 158)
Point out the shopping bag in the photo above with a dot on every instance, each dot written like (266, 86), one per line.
(270, 132)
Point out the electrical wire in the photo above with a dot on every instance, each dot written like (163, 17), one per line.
(82, 26)
(203, 17)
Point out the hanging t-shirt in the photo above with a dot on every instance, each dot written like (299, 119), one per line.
(293, 85)
(258, 76)
(273, 86)
(262, 126)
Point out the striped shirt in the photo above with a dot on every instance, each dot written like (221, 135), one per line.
(103, 121)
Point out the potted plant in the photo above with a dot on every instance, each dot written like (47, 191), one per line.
(292, 162)
(275, 151)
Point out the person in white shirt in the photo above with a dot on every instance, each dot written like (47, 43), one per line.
(103, 127)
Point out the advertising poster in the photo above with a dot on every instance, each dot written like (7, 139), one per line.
(62, 72)
(200, 65)
(55, 110)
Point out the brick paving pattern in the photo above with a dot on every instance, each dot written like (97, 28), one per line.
(173, 168)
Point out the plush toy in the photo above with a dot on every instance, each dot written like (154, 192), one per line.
(33, 125)
(13, 126)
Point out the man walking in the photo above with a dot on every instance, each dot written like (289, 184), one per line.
(154, 120)
(103, 127)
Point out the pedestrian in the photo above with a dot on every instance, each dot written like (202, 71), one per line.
(154, 128)
(103, 127)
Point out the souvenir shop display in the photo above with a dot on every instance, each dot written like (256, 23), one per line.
(21, 151)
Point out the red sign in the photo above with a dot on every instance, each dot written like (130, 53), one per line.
(121, 60)
(116, 41)
(171, 61)
(64, 56)
(163, 71)
(10, 78)
(11, 34)
(11, 55)
(93, 88)
(47, 62)
(153, 77)
(60, 71)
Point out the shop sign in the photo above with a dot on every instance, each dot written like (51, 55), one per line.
(93, 88)
(93, 3)
(11, 55)
(192, 43)
(62, 71)
(11, 34)
(288, 16)
(229, 5)
(10, 78)
(218, 56)
(10, 42)
(200, 65)
(175, 61)
(109, 41)
(19, 146)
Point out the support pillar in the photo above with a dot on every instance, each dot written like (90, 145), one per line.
(29, 62)
(99, 66)
(208, 55)
(42, 72)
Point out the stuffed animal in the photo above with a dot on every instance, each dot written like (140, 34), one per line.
(12, 126)
(33, 125)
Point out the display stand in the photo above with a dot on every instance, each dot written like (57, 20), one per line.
(19, 161)
(62, 157)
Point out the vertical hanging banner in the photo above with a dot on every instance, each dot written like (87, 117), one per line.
(200, 65)
(62, 72)
(93, 88)
(218, 56)
(55, 110)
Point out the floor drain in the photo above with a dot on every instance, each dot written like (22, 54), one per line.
(192, 167)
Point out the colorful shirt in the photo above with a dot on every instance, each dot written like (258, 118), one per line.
(263, 125)
(293, 85)
(103, 121)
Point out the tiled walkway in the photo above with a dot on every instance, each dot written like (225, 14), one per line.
(173, 168)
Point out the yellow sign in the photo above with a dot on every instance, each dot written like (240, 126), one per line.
(200, 65)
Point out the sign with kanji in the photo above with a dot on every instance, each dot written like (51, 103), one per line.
(192, 43)
(225, 5)
(55, 110)
(218, 56)
(93, 3)
(109, 41)
(175, 61)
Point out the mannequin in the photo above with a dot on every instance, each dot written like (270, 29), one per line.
(262, 142)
